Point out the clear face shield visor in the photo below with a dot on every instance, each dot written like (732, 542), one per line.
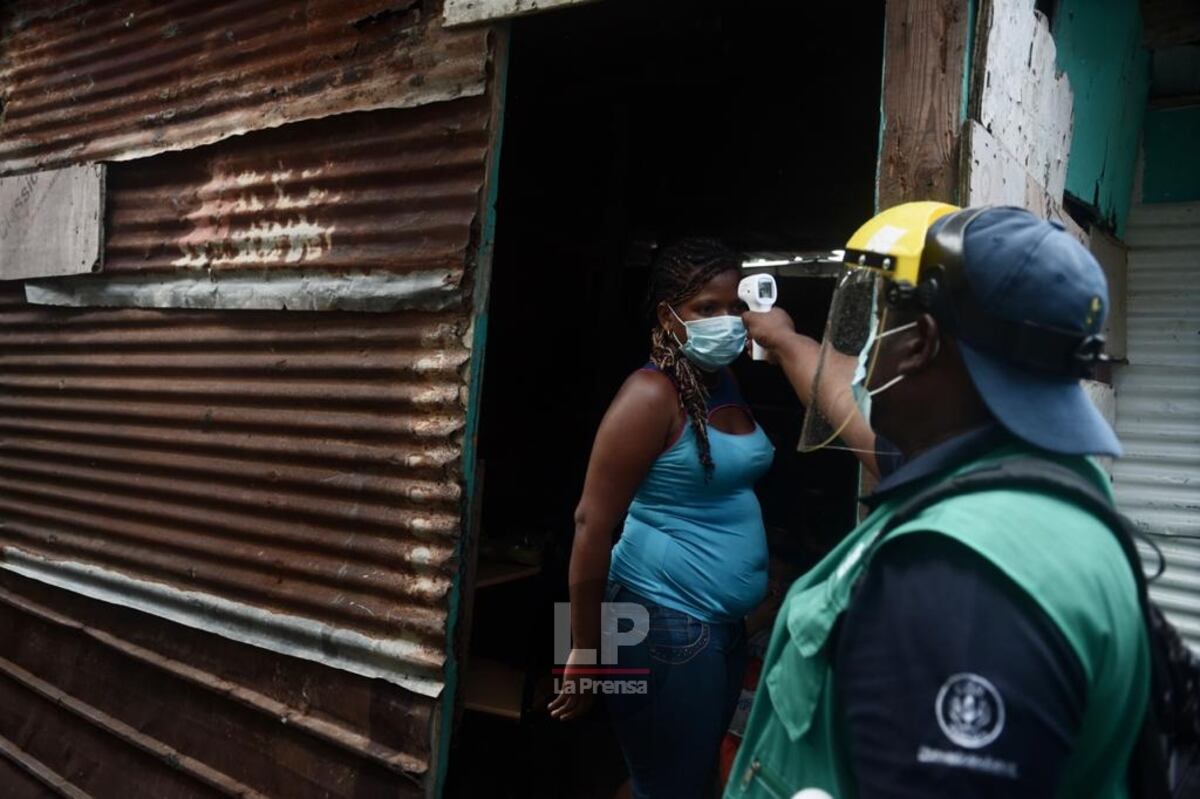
(840, 395)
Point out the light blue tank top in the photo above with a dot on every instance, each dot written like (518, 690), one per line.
(699, 546)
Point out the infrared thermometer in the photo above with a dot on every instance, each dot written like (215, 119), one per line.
(759, 293)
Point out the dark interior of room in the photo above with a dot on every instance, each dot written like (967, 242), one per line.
(628, 124)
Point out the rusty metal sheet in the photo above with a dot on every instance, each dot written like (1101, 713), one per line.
(92, 80)
(287, 479)
(356, 212)
(229, 539)
(154, 710)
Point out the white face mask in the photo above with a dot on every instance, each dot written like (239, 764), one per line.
(714, 342)
(862, 394)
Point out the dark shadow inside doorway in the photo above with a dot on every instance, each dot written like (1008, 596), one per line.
(629, 124)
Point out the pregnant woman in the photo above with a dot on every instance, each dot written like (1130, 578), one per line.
(676, 458)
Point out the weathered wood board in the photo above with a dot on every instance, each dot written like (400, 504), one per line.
(52, 222)
(924, 54)
(470, 12)
(992, 175)
(1169, 22)
(1104, 398)
(1020, 97)
(1114, 257)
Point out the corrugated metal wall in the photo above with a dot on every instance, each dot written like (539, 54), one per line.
(91, 80)
(305, 464)
(1158, 400)
(385, 200)
(229, 538)
(98, 700)
(392, 190)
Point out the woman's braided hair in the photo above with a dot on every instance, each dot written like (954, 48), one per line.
(679, 272)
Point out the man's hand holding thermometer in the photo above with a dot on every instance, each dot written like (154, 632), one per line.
(759, 293)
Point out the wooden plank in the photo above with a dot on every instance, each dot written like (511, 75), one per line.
(1114, 258)
(474, 12)
(495, 688)
(494, 572)
(1099, 48)
(52, 222)
(1170, 159)
(1019, 95)
(991, 174)
(924, 50)
(1170, 22)
(1176, 101)
(1105, 400)
(994, 176)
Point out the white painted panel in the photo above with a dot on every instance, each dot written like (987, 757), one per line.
(52, 222)
(992, 175)
(472, 12)
(1022, 98)
(1158, 401)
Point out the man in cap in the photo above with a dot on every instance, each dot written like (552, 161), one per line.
(993, 644)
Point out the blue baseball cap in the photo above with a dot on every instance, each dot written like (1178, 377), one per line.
(1023, 269)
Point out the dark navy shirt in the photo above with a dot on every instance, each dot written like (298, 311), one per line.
(897, 472)
(951, 681)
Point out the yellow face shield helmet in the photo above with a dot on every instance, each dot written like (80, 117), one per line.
(886, 250)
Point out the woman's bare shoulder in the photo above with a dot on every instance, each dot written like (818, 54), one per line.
(648, 386)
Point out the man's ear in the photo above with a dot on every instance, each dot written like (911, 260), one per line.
(917, 350)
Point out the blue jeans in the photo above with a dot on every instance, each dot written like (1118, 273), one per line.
(671, 734)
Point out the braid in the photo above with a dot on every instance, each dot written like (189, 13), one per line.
(680, 272)
(670, 360)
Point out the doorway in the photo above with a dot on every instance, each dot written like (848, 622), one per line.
(628, 125)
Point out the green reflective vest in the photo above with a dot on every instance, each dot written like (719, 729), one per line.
(1066, 560)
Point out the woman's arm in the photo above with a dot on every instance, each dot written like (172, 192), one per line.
(798, 356)
(635, 430)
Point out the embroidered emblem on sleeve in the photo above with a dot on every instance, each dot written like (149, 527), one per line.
(970, 711)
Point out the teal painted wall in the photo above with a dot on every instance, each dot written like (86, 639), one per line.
(1171, 144)
(1099, 47)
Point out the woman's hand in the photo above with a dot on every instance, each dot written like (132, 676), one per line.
(571, 702)
(764, 615)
